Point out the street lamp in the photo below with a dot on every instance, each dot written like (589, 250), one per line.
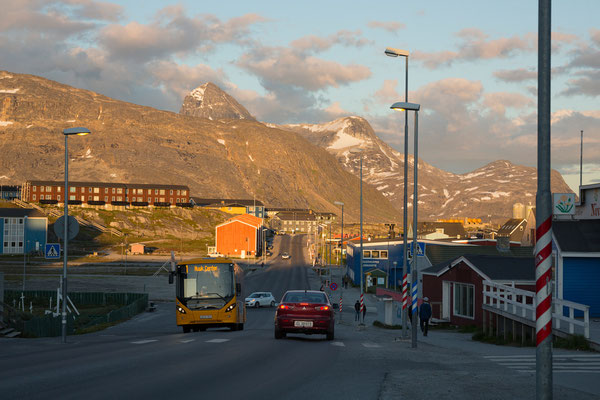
(361, 246)
(392, 52)
(339, 203)
(67, 132)
(405, 106)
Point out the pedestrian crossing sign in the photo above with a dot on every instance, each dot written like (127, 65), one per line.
(52, 250)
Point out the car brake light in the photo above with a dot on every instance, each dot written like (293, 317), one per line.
(322, 308)
(303, 304)
(284, 307)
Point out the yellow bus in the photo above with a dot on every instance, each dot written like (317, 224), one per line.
(208, 294)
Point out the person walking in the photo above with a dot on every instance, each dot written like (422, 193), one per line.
(364, 312)
(357, 309)
(424, 315)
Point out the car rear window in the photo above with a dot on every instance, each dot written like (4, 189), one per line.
(300, 297)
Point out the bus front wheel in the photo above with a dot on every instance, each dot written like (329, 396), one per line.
(186, 329)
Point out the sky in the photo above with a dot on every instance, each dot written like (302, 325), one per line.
(472, 66)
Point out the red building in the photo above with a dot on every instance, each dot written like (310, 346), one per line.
(455, 288)
(240, 236)
(102, 193)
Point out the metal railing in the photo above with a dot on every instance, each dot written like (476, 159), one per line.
(522, 303)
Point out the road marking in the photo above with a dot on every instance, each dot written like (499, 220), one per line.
(145, 341)
(339, 344)
(580, 363)
(371, 345)
(186, 340)
(217, 340)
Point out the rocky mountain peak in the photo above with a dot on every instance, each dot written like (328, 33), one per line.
(209, 101)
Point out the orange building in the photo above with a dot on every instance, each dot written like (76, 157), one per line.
(240, 236)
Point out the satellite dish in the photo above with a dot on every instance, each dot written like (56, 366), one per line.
(72, 228)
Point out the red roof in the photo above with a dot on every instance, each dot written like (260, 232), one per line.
(246, 219)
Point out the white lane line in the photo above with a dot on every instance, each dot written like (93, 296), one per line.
(217, 340)
(371, 345)
(339, 344)
(186, 340)
(579, 371)
(145, 341)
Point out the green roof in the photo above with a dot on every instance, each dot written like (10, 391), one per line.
(440, 253)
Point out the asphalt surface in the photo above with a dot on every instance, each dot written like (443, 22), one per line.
(148, 357)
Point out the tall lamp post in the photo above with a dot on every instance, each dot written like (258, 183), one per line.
(392, 52)
(404, 106)
(80, 131)
(362, 304)
(339, 203)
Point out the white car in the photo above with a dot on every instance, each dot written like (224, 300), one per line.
(285, 256)
(258, 299)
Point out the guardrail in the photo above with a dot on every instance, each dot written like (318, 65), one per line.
(522, 304)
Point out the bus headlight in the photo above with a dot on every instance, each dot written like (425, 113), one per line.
(181, 310)
(231, 307)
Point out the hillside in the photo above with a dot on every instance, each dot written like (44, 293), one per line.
(236, 158)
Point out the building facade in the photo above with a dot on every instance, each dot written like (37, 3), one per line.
(240, 236)
(101, 193)
(10, 192)
(22, 230)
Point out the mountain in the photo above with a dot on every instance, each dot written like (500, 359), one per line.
(209, 101)
(488, 192)
(234, 158)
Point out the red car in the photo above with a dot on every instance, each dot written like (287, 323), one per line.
(304, 311)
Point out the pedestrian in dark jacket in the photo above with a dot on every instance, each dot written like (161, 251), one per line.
(357, 309)
(364, 311)
(424, 315)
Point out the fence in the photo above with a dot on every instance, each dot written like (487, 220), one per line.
(522, 304)
(48, 325)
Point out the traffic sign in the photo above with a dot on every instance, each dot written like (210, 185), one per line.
(333, 286)
(59, 227)
(421, 250)
(52, 251)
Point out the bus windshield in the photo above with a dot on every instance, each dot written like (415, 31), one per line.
(207, 285)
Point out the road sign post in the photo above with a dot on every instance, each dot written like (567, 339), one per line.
(52, 251)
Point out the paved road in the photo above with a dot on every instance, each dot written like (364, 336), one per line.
(149, 357)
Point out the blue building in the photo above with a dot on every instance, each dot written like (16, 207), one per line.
(22, 229)
(576, 249)
(9, 192)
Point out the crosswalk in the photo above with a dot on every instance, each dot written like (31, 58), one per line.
(564, 364)
(368, 345)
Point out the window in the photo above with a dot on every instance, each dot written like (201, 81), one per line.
(119, 198)
(48, 189)
(375, 254)
(41, 188)
(113, 198)
(96, 198)
(34, 197)
(464, 300)
(149, 191)
(178, 192)
(105, 198)
(383, 254)
(156, 199)
(183, 192)
(162, 191)
(119, 190)
(177, 200)
(113, 190)
(89, 198)
(72, 189)
(367, 254)
(105, 190)
(72, 197)
(155, 191)
(171, 192)
(58, 197)
(58, 189)
(96, 190)
(35, 190)
(89, 190)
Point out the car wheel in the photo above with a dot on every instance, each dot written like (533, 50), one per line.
(272, 304)
(330, 335)
(257, 304)
(279, 334)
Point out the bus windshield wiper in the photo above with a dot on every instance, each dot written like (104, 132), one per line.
(222, 298)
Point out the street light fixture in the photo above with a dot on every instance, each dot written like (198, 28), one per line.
(405, 106)
(339, 203)
(80, 131)
(392, 52)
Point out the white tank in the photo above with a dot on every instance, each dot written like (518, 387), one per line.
(529, 208)
(518, 210)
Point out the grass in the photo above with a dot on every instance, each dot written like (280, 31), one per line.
(576, 342)
(97, 328)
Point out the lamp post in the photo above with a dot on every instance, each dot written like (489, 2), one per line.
(339, 203)
(405, 106)
(361, 318)
(392, 52)
(67, 132)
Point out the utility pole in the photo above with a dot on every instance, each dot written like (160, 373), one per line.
(581, 165)
(543, 246)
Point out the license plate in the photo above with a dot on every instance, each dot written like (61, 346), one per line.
(303, 324)
(206, 317)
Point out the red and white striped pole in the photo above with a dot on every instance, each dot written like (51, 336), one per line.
(362, 307)
(404, 305)
(543, 246)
